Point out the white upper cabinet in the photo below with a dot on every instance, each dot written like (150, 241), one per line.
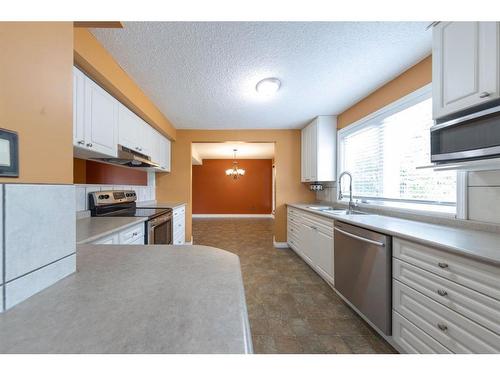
(100, 123)
(161, 151)
(95, 117)
(318, 149)
(465, 65)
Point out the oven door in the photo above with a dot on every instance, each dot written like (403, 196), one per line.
(159, 230)
(472, 137)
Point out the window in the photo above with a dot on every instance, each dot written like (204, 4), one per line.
(383, 153)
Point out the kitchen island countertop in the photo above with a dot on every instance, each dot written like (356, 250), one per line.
(136, 299)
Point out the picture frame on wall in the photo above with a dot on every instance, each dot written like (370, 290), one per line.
(9, 153)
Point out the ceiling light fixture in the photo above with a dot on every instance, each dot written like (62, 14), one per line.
(235, 172)
(268, 86)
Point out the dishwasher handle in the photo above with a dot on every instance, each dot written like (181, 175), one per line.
(377, 243)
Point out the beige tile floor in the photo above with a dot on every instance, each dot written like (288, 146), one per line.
(291, 309)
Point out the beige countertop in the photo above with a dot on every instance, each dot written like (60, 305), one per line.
(481, 245)
(136, 299)
(90, 229)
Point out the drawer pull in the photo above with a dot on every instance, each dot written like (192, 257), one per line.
(443, 327)
(134, 234)
(442, 265)
(442, 292)
(291, 230)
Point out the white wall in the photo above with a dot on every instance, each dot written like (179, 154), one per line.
(144, 193)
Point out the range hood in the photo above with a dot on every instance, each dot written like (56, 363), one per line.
(130, 158)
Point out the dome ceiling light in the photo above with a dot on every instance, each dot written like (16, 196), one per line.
(268, 86)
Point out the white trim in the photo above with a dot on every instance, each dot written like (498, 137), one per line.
(233, 216)
(462, 195)
(280, 245)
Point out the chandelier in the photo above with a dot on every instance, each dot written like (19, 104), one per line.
(235, 172)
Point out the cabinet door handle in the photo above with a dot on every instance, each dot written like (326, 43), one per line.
(89, 144)
(443, 327)
(443, 265)
(442, 292)
(484, 95)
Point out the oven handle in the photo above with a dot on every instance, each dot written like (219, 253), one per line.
(377, 243)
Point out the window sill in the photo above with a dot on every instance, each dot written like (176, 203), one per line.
(448, 212)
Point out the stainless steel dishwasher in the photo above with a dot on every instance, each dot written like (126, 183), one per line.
(362, 263)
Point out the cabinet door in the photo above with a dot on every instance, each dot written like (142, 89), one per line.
(309, 244)
(78, 108)
(465, 65)
(129, 127)
(146, 141)
(166, 152)
(324, 254)
(109, 240)
(303, 154)
(313, 151)
(101, 119)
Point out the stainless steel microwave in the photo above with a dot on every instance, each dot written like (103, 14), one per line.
(471, 137)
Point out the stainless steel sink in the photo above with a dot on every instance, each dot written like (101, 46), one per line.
(343, 212)
(320, 208)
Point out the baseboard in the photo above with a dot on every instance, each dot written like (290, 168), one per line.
(280, 245)
(271, 216)
(189, 242)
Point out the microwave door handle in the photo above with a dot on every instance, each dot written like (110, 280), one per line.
(462, 119)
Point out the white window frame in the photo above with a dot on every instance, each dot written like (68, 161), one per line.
(407, 101)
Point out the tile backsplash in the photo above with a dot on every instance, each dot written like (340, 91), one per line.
(484, 196)
(144, 193)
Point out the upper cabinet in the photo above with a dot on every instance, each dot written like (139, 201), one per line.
(318, 148)
(95, 117)
(465, 65)
(100, 123)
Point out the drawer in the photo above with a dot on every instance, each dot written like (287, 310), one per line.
(179, 224)
(179, 240)
(293, 227)
(179, 211)
(412, 339)
(319, 220)
(450, 329)
(476, 275)
(132, 233)
(473, 305)
(113, 239)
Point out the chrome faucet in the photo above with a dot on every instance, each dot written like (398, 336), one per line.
(341, 196)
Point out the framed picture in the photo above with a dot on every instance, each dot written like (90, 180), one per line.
(9, 154)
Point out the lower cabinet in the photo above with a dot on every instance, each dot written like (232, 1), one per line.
(311, 237)
(443, 302)
(133, 235)
(179, 225)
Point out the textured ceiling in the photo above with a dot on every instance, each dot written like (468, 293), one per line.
(203, 75)
(224, 150)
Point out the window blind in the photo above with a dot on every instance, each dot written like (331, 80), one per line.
(384, 152)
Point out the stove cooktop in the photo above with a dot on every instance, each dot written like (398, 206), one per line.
(137, 212)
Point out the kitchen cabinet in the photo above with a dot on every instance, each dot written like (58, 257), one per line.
(95, 118)
(133, 235)
(133, 132)
(444, 302)
(100, 123)
(311, 237)
(318, 149)
(161, 151)
(179, 225)
(465, 65)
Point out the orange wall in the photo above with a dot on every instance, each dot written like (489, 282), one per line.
(36, 60)
(412, 79)
(176, 185)
(216, 193)
(93, 172)
(97, 62)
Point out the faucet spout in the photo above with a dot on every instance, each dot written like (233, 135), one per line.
(341, 196)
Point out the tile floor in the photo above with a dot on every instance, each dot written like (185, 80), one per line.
(291, 309)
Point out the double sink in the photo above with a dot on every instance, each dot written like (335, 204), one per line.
(331, 210)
